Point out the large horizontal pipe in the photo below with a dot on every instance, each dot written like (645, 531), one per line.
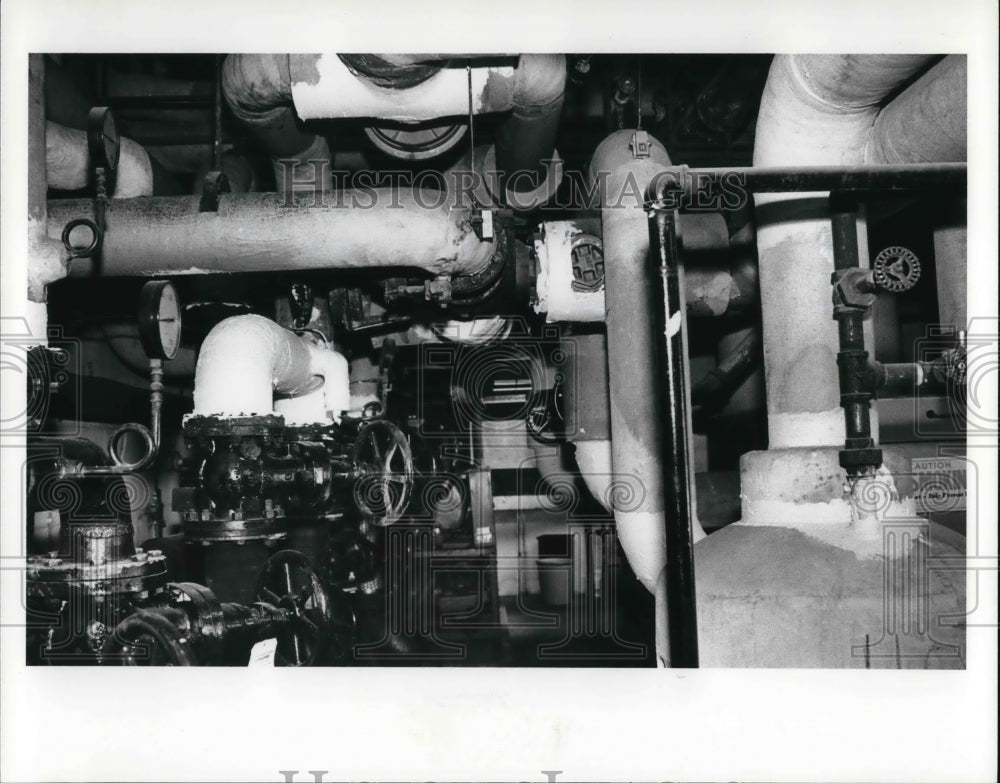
(254, 232)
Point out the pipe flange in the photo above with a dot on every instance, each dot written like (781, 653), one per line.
(210, 530)
(141, 574)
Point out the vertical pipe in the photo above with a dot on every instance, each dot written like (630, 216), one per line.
(671, 398)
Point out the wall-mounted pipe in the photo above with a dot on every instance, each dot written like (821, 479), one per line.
(68, 161)
(255, 232)
(266, 358)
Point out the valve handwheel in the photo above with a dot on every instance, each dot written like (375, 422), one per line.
(384, 461)
(288, 581)
(896, 269)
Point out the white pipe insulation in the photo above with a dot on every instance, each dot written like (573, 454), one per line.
(246, 359)
(827, 110)
(324, 87)
(67, 159)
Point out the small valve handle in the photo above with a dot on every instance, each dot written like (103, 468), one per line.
(896, 269)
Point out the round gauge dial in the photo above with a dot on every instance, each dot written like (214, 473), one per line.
(159, 320)
(102, 138)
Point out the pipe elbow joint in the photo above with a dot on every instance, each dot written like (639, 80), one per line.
(540, 83)
(256, 85)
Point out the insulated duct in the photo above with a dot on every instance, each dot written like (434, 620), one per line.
(267, 358)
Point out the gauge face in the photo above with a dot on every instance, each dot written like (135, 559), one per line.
(160, 320)
(102, 138)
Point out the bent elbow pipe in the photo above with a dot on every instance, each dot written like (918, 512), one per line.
(246, 359)
(258, 90)
(526, 141)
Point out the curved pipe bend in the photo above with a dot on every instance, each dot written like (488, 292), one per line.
(245, 359)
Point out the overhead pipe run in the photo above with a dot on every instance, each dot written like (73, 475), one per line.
(268, 359)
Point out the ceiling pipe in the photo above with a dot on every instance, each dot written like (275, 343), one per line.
(267, 358)
(68, 161)
(258, 232)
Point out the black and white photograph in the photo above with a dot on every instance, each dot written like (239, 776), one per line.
(601, 392)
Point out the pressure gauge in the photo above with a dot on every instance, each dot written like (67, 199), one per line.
(103, 140)
(159, 320)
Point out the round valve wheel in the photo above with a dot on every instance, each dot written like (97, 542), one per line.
(149, 638)
(289, 582)
(896, 269)
(385, 464)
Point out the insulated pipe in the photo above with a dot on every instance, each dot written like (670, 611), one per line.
(622, 173)
(816, 110)
(255, 232)
(951, 266)
(46, 256)
(68, 161)
(245, 359)
(324, 87)
(526, 141)
(258, 89)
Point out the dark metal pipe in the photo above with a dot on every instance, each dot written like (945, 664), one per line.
(859, 455)
(713, 391)
(526, 141)
(744, 181)
(671, 399)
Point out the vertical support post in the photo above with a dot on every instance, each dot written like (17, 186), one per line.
(671, 400)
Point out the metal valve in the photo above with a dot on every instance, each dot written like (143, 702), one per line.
(896, 269)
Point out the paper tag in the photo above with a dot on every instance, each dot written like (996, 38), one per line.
(262, 653)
